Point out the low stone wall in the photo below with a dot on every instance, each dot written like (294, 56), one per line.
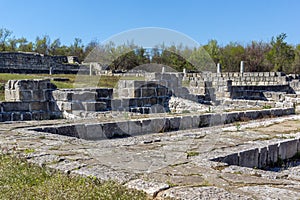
(264, 156)
(87, 99)
(108, 130)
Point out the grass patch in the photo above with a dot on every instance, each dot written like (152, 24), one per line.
(21, 180)
(192, 153)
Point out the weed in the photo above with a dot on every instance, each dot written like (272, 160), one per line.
(192, 153)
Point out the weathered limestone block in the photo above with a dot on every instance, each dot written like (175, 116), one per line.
(15, 106)
(272, 153)
(115, 129)
(186, 122)
(84, 96)
(287, 149)
(134, 127)
(94, 132)
(39, 106)
(249, 158)
(173, 123)
(263, 157)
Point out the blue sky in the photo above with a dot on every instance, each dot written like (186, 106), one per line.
(224, 20)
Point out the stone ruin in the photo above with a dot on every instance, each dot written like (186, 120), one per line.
(39, 99)
(35, 63)
(225, 161)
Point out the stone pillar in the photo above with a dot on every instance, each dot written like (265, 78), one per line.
(219, 68)
(91, 72)
(242, 67)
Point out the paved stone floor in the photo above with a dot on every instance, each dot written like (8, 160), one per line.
(175, 164)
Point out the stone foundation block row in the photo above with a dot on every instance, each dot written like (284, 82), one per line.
(263, 157)
(154, 125)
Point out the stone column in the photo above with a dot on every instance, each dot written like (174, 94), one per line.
(242, 67)
(91, 72)
(219, 68)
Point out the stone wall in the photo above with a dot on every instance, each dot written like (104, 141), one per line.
(264, 156)
(241, 79)
(29, 63)
(29, 100)
(87, 99)
(108, 130)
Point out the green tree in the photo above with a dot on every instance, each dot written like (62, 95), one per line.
(77, 49)
(281, 54)
(25, 46)
(296, 63)
(231, 55)
(42, 44)
(4, 37)
(213, 49)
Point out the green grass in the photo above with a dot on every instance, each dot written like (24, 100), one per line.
(21, 180)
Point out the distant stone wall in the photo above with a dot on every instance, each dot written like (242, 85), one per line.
(21, 62)
(241, 79)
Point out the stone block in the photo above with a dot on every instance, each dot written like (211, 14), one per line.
(21, 95)
(94, 106)
(62, 95)
(6, 116)
(186, 122)
(27, 116)
(173, 123)
(272, 154)
(263, 157)
(134, 128)
(38, 95)
(148, 92)
(16, 116)
(104, 93)
(84, 96)
(116, 104)
(232, 159)
(204, 120)
(287, 149)
(195, 121)
(67, 131)
(94, 132)
(249, 158)
(153, 125)
(39, 106)
(115, 129)
(36, 115)
(15, 106)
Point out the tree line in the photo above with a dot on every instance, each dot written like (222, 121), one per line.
(275, 55)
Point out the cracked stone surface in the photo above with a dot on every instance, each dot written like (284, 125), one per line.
(174, 164)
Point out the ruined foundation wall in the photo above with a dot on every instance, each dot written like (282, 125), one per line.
(106, 130)
(28, 100)
(21, 62)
